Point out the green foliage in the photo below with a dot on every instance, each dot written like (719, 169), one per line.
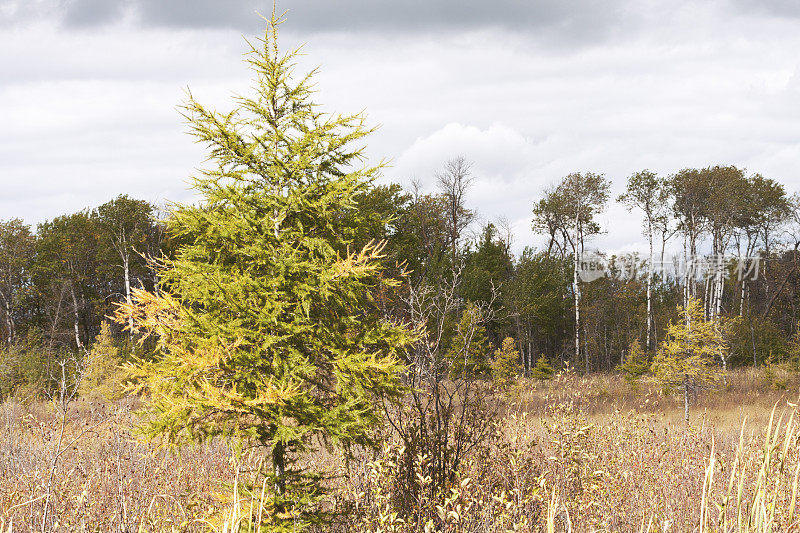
(127, 229)
(505, 364)
(24, 369)
(793, 352)
(753, 339)
(542, 370)
(686, 356)
(16, 255)
(485, 268)
(469, 350)
(777, 375)
(265, 320)
(67, 265)
(636, 363)
(423, 237)
(104, 374)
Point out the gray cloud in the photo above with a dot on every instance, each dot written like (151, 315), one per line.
(574, 21)
(92, 13)
(529, 92)
(779, 8)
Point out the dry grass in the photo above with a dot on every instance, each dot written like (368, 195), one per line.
(576, 453)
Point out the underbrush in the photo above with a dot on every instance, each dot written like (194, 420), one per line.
(577, 453)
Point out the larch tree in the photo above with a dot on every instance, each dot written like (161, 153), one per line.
(685, 359)
(266, 327)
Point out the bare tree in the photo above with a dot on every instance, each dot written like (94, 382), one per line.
(454, 182)
(70, 372)
(445, 414)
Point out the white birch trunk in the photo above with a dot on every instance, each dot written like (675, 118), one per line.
(76, 318)
(126, 267)
(9, 318)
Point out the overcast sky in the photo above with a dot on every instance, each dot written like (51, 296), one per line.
(529, 91)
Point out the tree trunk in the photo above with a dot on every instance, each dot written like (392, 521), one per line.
(720, 284)
(9, 318)
(741, 297)
(126, 267)
(686, 398)
(576, 291)
(686, 273)
(279, 462)
(649, 292)
(76, 318)
(9, 323)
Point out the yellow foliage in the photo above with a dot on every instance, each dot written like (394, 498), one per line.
(152, 314)
(505, 365)
(689, 349)
(104, 372)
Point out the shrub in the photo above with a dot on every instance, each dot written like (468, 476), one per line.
(24, 369)
(776, 375)
(469, 347)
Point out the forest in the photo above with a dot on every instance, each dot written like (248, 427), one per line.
(61, 280)
(312, 347)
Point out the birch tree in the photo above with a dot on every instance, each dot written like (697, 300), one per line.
(727, 188)
(125, 225)
(16, 255)
(647, 192)
(689, 190)
(573, 206)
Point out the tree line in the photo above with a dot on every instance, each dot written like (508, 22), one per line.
(59, 281)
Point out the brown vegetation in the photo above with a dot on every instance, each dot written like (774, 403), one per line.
(580, 452)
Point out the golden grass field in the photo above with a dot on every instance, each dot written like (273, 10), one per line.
(577, 453)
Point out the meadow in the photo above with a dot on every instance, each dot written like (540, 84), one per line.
(575, 453)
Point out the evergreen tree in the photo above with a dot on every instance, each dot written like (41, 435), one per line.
(542, 370)
(266, 328)
(636, 364)
(505, 365)
(686, 357)
(104, 373)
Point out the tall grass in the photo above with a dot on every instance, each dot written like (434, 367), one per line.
(578, 454)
